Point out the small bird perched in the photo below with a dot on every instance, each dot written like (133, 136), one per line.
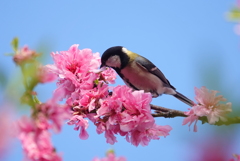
(139, 73)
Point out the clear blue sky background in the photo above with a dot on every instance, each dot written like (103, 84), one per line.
(190, 41)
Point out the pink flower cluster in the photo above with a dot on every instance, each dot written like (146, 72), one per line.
(24, 55)
(5, 128)
(34, 132)
(40, 73)
(128, 113)
(110, 157)
(44, 75)
(208, 105)
(114, 111)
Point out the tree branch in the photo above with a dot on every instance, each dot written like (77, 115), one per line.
(171, 113)
(166, 112)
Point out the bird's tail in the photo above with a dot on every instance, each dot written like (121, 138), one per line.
(184, 99)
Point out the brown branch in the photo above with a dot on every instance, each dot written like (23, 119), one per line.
(166, 112)
(171, 113)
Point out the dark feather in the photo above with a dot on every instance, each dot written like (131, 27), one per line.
(150, 67)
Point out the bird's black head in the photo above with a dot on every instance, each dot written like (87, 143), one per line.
(115, 57)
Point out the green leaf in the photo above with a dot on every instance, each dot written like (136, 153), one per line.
(234, 14)
(14, 44)
(110, 151)
(36, 100)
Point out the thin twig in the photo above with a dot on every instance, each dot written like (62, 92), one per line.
(166, 112)
(171, 113)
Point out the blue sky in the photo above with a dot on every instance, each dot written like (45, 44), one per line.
(190, 41)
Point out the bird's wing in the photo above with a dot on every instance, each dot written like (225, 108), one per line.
(150, 67)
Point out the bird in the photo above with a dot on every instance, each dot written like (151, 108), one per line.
(139, 73)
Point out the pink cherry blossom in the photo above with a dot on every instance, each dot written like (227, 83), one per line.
(74, 64)
(109, 135)
(209, 106)
(192, 118)
(36, 141)
(137, 137)
(44, 75)
(110, 157)
(54, 114)
(34, 132)
(124, 112)
(5, 128)
(114, 111)
(91, 97)
(128, 114)
(80, 124)
(109, 106)
(23, 55)
(109, 75)
(65, 89)
(73, 68)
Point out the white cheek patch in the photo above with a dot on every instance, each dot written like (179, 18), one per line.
(114, 61)
(125, 50)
